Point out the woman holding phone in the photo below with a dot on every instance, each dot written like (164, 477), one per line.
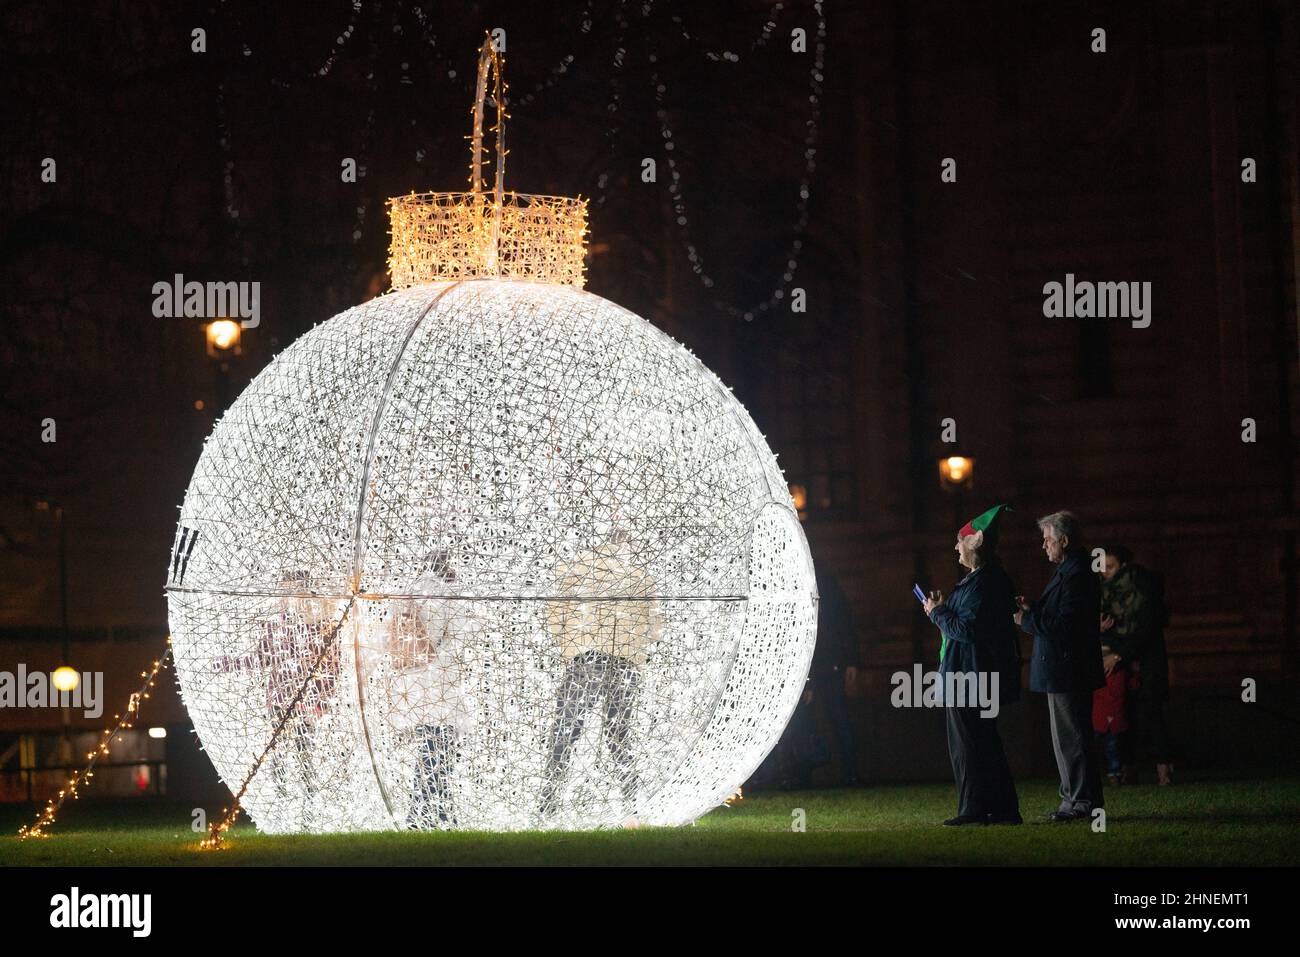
(979, 641)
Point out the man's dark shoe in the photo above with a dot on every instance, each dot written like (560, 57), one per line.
(1005, 819)
(963, 819)
(1064, 817)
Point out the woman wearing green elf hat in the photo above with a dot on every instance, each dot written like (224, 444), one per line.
(980, 643)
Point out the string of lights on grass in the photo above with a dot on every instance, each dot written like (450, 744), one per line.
(82, 778)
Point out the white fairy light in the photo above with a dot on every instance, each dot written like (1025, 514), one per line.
(490, 554)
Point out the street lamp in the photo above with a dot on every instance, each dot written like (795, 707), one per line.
(65, 678)
(223, 338)
(956, 471)
(799, 495)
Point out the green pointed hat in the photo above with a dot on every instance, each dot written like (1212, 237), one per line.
(984, 522)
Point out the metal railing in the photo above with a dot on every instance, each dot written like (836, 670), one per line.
(20, 784)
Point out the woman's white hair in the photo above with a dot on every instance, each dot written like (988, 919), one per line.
(981, 546)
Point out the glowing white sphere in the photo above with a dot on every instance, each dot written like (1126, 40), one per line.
(492, 555)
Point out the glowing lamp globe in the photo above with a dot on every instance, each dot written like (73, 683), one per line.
(488, 552)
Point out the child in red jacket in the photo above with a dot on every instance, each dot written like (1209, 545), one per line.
(1110, 717)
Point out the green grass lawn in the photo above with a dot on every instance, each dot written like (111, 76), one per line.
(1252, 821)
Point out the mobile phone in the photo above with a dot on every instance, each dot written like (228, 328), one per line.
(920, 595)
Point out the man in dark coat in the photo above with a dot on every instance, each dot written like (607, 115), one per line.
(979, 643)
(1066, 662)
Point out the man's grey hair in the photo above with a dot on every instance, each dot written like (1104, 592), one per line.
(1063, 525)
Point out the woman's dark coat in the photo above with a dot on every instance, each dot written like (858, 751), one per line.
(976, 620)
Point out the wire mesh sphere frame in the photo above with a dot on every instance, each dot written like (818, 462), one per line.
(488, 555)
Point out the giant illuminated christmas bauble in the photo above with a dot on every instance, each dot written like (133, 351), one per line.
(488, 553)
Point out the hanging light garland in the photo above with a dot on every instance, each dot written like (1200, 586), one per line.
(560, 70)
(227, 160)
(363, 155)
(224, 134)
(339, 42)
(811, 138)
(768, 26)
(613, 131)
(72, 789)
(327, 65)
